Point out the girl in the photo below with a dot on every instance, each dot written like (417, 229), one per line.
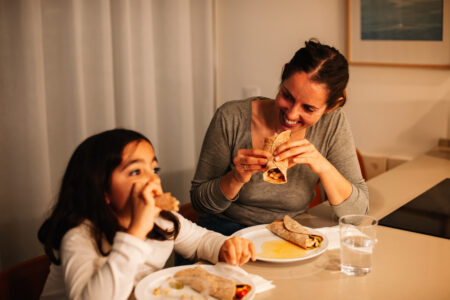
(105, 232)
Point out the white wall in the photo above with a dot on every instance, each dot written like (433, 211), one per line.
(395, 112)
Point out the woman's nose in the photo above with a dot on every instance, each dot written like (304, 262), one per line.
(294, 112)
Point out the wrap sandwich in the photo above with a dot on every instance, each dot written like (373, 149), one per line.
(219, 287)
(276, 171)
(294, 232)
(167, 202)
(164, 201)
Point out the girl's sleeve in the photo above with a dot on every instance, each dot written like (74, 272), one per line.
(214, 162)
(195, 242)
(89, 275)
(342, 154)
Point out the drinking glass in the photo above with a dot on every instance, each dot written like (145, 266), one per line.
(184, 287)
(358, 238)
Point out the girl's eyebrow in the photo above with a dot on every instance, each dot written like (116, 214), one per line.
(134, 161)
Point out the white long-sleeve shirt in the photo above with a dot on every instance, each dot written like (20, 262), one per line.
(85, 274)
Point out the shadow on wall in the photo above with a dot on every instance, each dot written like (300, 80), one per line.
(432, 119)
(178, 183)
(402, 129)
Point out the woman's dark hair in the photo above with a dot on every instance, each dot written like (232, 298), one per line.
(323, 64)
(82, 194)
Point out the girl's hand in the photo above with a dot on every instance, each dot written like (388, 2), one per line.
(143, 209)
(248, 162)
(237, 251)
(302, 152)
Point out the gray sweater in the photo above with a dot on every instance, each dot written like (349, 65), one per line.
(260, 202)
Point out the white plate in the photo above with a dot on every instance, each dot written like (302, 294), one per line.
(259, 234)
(144, 289)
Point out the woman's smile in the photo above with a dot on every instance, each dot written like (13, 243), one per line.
(287, 123)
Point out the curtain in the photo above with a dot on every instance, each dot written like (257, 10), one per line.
(73, 68)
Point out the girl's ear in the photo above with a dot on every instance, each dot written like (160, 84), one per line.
(107, 200)
(338, 103)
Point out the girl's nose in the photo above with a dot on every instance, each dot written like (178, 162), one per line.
(153, 177)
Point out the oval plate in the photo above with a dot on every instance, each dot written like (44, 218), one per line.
(144, 289)
(259, 234)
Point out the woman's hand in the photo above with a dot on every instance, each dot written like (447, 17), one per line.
(302, 152)
(143, 209)
(248, 162)
(237, 251)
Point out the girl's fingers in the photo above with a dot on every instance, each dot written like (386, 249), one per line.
(252, 251)
(230, 254)
(238, 251)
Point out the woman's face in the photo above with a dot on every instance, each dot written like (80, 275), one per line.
(138, 165)
(300, 102)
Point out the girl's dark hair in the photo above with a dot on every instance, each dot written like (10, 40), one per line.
(82, 194)
(323, 64)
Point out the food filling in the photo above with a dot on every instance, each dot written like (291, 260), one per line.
(241, 291)
(275, 174)
(313, 242)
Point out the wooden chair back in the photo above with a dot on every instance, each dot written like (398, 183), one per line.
(24, 280)
(318, 198)
(187, 211)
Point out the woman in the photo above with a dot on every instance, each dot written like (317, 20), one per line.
(228, 187)
(106, 232)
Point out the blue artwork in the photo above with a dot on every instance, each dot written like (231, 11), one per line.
(402, 20)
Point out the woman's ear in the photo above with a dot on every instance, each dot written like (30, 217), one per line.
(339, 102)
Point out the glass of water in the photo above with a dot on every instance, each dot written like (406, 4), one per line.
(358, 238)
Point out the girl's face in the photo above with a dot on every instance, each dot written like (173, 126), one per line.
(300, 102)
(138, 165)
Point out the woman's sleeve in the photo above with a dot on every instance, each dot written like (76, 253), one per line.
(195, 242)
(342, 154)
(89, 275)
(214, 162)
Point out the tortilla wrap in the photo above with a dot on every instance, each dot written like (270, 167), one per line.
(294, 232)
(219, 287)
(165, 201)
(276, 171)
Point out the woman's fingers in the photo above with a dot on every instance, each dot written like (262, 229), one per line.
(290, 150)
(251, 159)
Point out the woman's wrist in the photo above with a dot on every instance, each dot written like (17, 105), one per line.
(230, 185)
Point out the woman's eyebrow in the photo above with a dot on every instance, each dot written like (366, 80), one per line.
(287, 92)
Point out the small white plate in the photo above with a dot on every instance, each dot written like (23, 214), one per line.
(144, 289)
(259, 234)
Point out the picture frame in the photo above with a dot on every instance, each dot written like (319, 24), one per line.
(396, 53)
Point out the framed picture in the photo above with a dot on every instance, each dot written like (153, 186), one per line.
(405, 33)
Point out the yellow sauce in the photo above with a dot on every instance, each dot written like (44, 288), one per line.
(281, 250)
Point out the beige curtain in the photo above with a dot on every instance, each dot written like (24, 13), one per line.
(72, 68)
